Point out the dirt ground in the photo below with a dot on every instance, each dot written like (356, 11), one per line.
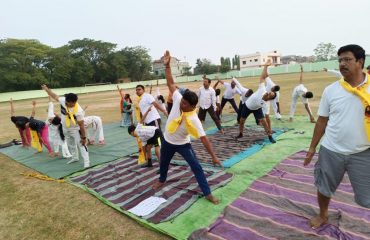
(35, 209)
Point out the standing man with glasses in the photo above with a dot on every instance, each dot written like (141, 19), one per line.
(344, 121)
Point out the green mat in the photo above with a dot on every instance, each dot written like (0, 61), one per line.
(202, 213)
(117, 144)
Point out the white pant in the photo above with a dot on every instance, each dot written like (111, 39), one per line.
(56, 141)
(73, 141)
(96, 124)
(273, 103)
(294, 103)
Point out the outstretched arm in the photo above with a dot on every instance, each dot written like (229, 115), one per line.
(159, 107)
(50, 93)
(317, 134)
(301, 76)
(11, 107)
(33, 109)
(166, 62)
(120, 91)
(264, 73)
(145, 114)
(207, 144)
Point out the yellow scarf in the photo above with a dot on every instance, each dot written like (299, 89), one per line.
(141, 159)
(364, 95)
(175, 123)
(70, 115)
(137, 108)
(35, 142)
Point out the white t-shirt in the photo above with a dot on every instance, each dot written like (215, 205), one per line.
(145, 132)
(144, 104)
(79, 115)
(207, 97)
(298, 92)
(95, 121)
(255, 101)
(345, 131)
(269, 84)
(181, 136)
(229, 91)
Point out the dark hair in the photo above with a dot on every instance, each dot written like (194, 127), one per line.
(275, 88)
(368, 67)
(56, 120)
(131, 129)
(218, 91)
(191, 97)
(71, 97)
(308, 95)
(127, 96)
(161, 98)
(140, 86)
(249, 93)
(357, 51)
(274, 96)
(61, 133)
(209, 80)
(20, 124)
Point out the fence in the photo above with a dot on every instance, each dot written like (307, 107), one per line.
(308, 67)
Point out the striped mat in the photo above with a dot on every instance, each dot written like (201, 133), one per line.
(280, 204)
(226, 145)
(124, 184)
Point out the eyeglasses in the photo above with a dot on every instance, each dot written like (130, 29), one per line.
(345, 59)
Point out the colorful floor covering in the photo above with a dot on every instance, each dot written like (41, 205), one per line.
(280, 204)
(124, 184)
(229, 149)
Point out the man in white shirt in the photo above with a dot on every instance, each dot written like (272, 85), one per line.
(207, 103)
(254, 105)
(230, 91)
(344, 122)
(147, 101)
(301, 92)
(72, 116)
(181, 122)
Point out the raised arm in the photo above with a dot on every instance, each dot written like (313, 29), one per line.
(264, 73)
(166, 62)
(33, 109)
(301, 76)
(120, 91)
(151, 88)
(12, 112)
(218, 81)
(50, 93)
(238, 85)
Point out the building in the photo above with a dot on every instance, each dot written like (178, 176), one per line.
(293, 59)
(178, 68)
(259, 59)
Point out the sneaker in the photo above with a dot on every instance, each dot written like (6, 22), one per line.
(271, 139)
(86, 165)
(72, 161)
(102, 142)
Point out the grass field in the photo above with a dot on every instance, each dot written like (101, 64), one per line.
(35, 209)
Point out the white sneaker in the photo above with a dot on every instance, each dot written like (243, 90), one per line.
(72, 161)
(86, 165)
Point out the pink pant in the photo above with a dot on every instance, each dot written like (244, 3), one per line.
(28, 136)
(45, 138)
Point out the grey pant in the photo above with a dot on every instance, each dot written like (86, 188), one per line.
(330, 169)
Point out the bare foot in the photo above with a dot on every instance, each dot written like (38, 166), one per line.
(317, 221)
(222, 131)
(212, 199)
(157, 185)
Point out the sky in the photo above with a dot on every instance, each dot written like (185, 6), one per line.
(192, 29)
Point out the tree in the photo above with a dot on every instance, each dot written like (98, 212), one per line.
(325, 51)
(236, 62)
(138, 62)
(187, 71)
(21, 64)
(225, 65)
(205, 66)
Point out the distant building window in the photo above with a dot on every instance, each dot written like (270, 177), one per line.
(256, 60)
(244, 62)
(250, 60)
(156, 73)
